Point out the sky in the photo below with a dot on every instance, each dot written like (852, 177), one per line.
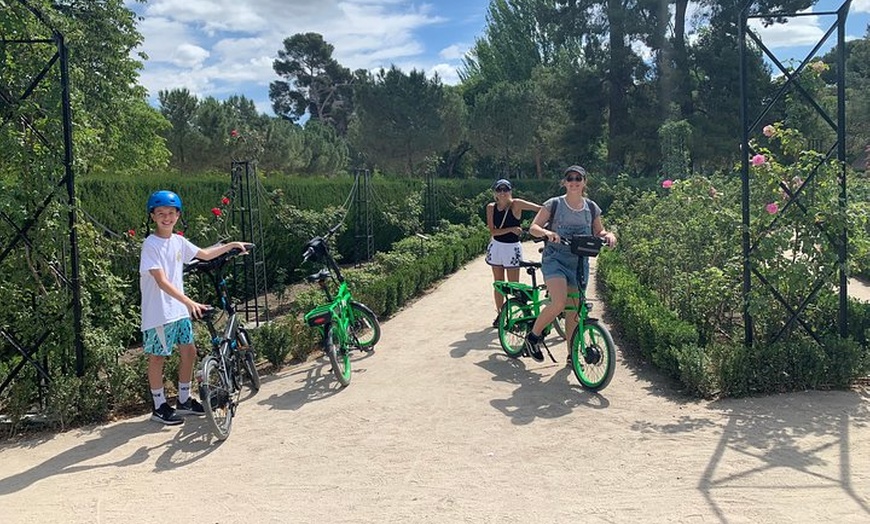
(221, 48)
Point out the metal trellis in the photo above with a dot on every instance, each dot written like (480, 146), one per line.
(249, 271)
(26, 103)
(751, 124)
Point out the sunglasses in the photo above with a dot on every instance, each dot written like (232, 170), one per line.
(575, 178)
(502, 189)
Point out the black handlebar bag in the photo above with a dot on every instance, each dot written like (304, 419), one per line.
(586, 245)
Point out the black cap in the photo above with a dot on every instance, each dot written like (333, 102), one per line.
(502, 182)
(575, 169)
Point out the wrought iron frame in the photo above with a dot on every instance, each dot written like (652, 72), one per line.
(59, 59)
(363, 224)
(749, 126)
(245, 195)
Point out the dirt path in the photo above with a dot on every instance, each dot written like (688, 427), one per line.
(439, 426)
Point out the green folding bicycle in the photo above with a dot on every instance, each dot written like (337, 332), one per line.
(593, 353)
(344, 324)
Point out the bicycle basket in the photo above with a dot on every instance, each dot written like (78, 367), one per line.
(586, 245)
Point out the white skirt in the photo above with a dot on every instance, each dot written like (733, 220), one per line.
(503, 254)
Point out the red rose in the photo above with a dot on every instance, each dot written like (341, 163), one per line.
(216, 211)
(131, 232)
(225, 201)
(234, 133)
(180, 233)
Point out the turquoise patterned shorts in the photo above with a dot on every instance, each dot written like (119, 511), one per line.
(160, 340)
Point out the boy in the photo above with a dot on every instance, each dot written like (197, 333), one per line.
(166, 311)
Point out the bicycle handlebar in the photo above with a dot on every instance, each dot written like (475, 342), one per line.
(316, 241)
(218, 262)
(583, 245)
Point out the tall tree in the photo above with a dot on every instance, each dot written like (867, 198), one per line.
(313, 82)
(400, 119)
(503, 123)
(179, 107)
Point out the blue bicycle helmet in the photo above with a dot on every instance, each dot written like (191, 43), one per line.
(163, 198)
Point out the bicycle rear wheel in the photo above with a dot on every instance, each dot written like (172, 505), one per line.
(217, 398)
(513, 324)
(338, 356)
(249, 361)
(593, 356)
(364, 325)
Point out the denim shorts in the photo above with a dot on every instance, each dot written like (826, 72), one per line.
(561, 263)
(160, 340)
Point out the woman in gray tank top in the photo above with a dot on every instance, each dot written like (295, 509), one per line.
(574, 215)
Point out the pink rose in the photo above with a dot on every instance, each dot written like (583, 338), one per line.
(771, 208)
(757, 160)
(667, 184)
(768, 131)
(234, 133)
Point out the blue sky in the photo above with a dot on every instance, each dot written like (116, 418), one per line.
(224, 47)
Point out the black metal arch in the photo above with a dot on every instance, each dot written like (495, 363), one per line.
(750, 125)
(12, 99)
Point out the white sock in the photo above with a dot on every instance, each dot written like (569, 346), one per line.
(158, 397)
(183, 391)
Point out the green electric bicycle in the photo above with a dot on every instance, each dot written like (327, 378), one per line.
(344, 324)
(593, 353)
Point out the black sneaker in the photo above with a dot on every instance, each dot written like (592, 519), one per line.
(191, 407)
(166, 415)
(495, 322)
(533, 347)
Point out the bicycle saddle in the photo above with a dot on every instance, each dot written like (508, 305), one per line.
(320, 276)
(528, 263)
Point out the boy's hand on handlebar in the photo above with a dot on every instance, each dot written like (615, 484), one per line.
(196, 309)
(552, 236)
(241, 246)
(609, 239)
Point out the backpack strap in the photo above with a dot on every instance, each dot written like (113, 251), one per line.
(551, 225)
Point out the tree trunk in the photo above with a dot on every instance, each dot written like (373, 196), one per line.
(619, 78)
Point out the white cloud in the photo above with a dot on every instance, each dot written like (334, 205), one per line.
(798, 31)
(189, 55)
(218, 45)
(453, 52)
(860, 6)
(447, 72)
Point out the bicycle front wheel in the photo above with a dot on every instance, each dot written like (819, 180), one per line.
(593, 356)
(249, 361)
(513, 324)
(364, 327)
(217, 398)
(338, 356)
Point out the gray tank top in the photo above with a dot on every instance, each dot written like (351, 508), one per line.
(570, 222)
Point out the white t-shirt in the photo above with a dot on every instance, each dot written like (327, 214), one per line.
(170, 255)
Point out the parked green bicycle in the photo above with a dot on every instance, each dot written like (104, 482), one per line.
(593, 353)
(344, 324)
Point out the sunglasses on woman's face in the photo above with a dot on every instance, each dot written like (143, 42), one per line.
(575, 178)
(502, 189)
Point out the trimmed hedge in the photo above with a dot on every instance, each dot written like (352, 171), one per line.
(731, 369)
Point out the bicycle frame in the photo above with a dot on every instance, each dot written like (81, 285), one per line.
(336, 311)
(530, 297)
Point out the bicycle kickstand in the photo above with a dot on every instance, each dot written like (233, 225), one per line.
(548, 350)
